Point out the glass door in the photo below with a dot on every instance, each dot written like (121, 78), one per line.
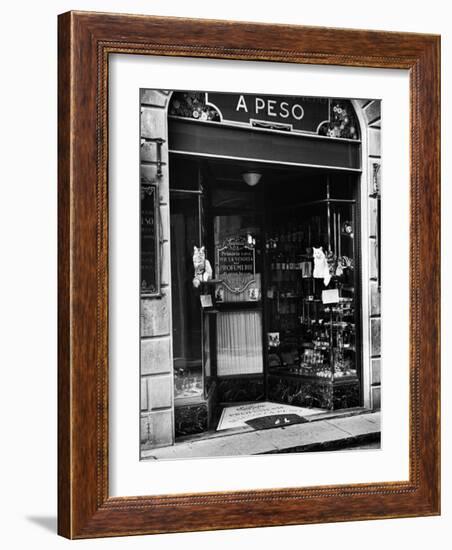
(238, 295)
(236, 252)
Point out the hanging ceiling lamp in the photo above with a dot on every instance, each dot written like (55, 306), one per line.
(251, 178)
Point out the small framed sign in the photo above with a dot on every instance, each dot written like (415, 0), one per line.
(206, 300)
(150, 239)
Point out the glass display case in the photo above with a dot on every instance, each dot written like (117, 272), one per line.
(187, 328)
(311, 303)
(190, 328)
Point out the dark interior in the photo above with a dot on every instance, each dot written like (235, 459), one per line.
(305, 342)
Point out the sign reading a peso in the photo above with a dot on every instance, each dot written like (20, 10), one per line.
(303, 114)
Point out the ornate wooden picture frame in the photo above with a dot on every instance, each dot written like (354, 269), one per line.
(86, 40)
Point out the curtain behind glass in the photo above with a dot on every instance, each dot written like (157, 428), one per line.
(239, 343)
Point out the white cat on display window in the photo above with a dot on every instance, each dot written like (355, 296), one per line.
(203, 269)
(321, 268)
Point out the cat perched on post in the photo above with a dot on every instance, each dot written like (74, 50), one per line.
(203, 269)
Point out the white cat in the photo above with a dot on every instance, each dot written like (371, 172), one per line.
(203, 269)
(321, 268)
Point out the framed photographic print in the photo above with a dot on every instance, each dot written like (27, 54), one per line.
(248, 275)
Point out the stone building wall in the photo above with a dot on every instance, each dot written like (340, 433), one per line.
(157, 392)
(370, 112)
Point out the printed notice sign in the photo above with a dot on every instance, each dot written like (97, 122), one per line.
(236, 264)
(330, 296)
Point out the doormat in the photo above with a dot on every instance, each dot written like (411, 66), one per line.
(275, 421)
(237, 416)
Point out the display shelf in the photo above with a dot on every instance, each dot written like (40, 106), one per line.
(287, 372)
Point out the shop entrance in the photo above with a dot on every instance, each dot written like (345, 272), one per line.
(265, 263)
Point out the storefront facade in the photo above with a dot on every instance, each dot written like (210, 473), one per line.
(259, 256)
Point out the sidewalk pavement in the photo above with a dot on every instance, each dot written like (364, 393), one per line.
(320, 435)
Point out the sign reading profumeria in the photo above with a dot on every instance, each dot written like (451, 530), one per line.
(236, 264)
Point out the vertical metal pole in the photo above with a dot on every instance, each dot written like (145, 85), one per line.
(328, 212)
(335, 233)
(202, 314)
(332, 349)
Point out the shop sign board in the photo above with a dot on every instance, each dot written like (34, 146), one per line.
(302, 114)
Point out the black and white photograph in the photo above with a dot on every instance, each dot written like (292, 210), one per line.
(260, 284)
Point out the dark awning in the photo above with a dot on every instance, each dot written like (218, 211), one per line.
(217, 140)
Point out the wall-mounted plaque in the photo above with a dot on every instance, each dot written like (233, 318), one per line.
(150, 240)
(236, 265)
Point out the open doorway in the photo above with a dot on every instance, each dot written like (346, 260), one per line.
(266, 306)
